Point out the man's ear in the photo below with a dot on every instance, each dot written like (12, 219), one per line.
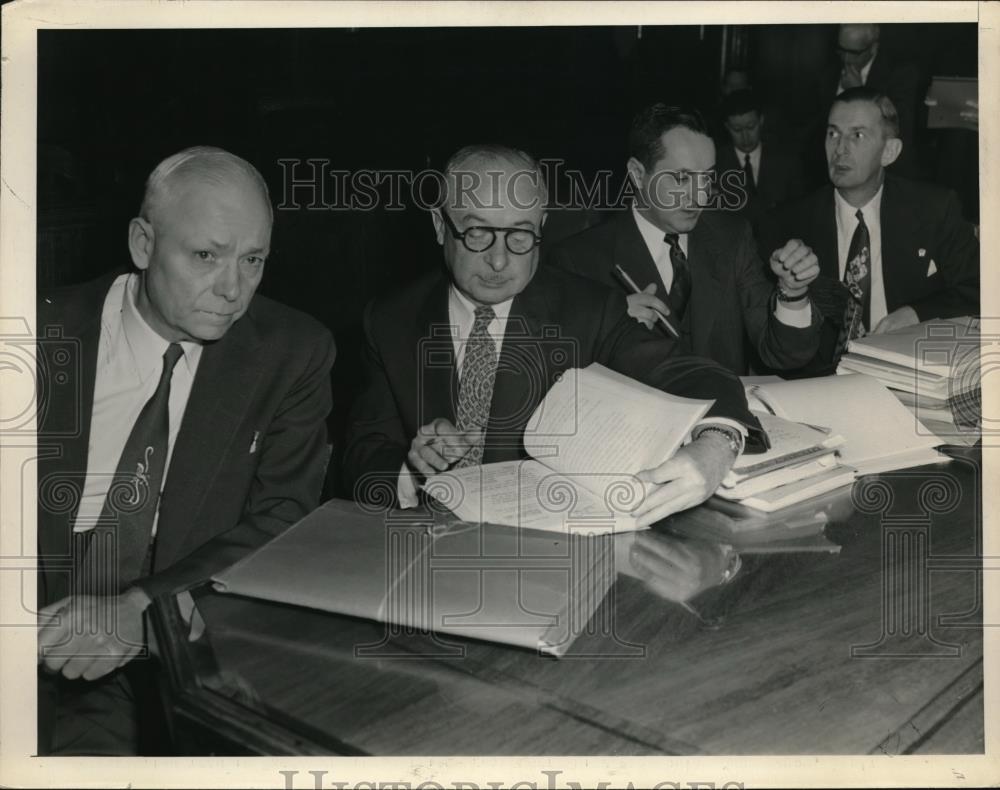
(637, 172)
(140, 242)
(438, 225)
(891, 151)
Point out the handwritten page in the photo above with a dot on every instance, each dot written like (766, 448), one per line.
(529, 494)
(596, 422)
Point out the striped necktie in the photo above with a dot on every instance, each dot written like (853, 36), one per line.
(680, 288)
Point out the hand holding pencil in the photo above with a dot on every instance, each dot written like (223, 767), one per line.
(645, 306)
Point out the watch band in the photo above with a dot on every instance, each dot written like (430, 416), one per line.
(734, 437)
(784, 296)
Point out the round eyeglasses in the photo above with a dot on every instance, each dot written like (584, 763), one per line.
(479, 238)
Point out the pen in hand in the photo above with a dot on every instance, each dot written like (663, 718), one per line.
(636, 289)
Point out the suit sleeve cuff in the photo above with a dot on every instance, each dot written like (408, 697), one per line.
(723, 422)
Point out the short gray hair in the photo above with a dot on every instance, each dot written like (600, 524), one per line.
(886, 109)
(489, 153)
(203, 162)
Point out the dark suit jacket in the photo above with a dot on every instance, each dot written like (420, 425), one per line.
(919, 223)
(267, 379)
(557, 322)
(731, 294)
(779, 178)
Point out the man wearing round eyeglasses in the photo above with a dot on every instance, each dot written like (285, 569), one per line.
(456, 364)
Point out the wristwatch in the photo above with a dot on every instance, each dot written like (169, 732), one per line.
(784, 296)
(734, 437)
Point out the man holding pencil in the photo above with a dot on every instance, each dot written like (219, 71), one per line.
(694, 272)
(455, 364)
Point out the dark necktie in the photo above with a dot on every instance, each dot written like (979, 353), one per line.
(120, 544)
(750, 182)
(680, 288)
(475, 387)
(857, 280)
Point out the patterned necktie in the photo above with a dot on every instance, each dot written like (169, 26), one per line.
(475, 388)
(119, 549)
(857, 279)
(750, 182)
(680, 288)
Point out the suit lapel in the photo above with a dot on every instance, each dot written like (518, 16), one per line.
(434, 358)
(64, 433)
(893, 220)
(706, 283)
(632, 254)
(826, 236)
(523, 375)
(224, 387)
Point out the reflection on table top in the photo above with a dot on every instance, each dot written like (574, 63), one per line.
(875, 648)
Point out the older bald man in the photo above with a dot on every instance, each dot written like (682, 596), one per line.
(190, 430)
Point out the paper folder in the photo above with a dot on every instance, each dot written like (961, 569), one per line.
(522, 587)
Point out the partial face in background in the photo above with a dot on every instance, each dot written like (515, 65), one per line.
(501, 194)
(744, 130)
(202, 255)
(857, 45)
(735, 80)
(678, 186)
(857, 149)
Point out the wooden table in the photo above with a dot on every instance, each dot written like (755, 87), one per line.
(877, 648)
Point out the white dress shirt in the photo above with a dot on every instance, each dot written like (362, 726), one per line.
(660, 251)
(129, 365)
(461, 317)
(847, 222)
(754, 160)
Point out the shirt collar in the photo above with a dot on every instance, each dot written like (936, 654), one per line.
(653, 236)
(464, 309)
(146, 345)
(742, 155)
(867, 68)
(871, 210)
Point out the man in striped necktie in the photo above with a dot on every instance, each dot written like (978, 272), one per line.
(494, 333)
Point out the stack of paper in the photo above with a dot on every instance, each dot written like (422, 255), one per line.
(879, 433)
(801, 464)
(933, 368)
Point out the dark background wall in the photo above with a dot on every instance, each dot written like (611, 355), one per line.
(112, 103)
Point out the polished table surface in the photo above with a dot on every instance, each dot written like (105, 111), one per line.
(876, 648)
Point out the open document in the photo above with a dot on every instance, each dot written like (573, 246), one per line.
(588, 438)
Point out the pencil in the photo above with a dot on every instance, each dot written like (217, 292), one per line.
(636, 289)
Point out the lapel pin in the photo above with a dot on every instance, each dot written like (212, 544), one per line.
(253, 444)
(921, 252)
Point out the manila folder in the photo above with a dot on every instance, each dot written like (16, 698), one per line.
(407, 569)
